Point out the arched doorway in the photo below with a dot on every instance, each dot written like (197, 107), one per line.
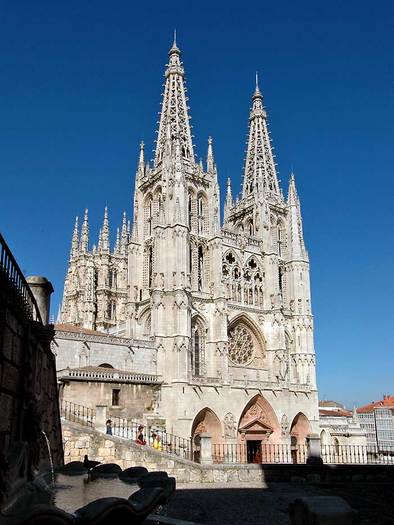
(300, 428)
(206, 421)
(299, 431)
(258, 430)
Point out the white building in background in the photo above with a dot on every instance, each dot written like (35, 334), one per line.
(225, 308)
(339, 426)
(377, 419)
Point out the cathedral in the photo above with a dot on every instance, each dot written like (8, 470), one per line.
(218, 312)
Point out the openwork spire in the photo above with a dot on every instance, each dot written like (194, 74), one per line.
(259, 170)
(105, 232)
(125, 235)
(174, 118)
(74, 242)
(84, 245)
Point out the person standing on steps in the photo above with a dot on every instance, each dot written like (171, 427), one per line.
(108, 426)
(140, 436)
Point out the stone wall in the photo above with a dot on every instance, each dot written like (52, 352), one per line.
(74, 349)
(134, 399)
(28, 393)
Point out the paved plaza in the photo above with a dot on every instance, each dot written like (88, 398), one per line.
(255, 504)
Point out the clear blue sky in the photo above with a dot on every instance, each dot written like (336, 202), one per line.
(80, 86)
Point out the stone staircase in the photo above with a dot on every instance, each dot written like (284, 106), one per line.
(80, 440)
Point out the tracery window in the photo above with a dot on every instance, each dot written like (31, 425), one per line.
(246, 286)
(240, 345)
(201, 211)
(198, 350)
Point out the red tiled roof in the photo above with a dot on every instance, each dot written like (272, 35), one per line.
(334, 413)
(76, 329)
(386, 402)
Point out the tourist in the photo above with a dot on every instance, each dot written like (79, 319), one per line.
(108, 425)
(140, 436)
(157, 442)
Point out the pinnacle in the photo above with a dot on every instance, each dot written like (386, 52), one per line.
(174, 47)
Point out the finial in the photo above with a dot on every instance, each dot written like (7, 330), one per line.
(174, 48)
(209, 140)
(257, 92)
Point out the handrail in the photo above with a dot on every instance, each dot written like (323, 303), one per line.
(10, 269)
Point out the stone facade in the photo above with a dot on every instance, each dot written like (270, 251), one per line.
(226, 307)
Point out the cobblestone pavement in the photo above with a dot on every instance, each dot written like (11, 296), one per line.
(256, 504)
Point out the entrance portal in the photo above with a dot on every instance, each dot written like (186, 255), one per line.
(253, 451)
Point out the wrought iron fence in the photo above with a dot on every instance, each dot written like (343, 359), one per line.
(258, 453)
(124, 427)
(77, 413)
(11, 272)
(357, 454)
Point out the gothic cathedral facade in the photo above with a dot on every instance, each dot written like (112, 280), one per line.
(227, 306)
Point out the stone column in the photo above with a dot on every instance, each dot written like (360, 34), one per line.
(41, 289)
(314, 451)
(205, 449)
(101, 418)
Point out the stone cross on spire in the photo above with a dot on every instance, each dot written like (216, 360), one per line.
(259, 169)
(174, 118)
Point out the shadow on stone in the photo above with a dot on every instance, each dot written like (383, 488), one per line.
(74, 468)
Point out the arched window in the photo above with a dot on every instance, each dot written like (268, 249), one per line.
(112, 278)
(200, 215)
(251, 228)
(147, 326)
(189, 210)
(280, 240)
(148, 211)
(111, 310)
(198, 350)
(200, 269)
(150, 266)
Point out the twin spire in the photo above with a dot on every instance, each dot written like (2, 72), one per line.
(80, 244)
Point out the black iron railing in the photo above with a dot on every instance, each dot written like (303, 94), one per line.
(10, 271)
(77, 413)
(158, 439)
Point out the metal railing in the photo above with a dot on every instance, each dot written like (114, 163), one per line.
(260, 454)
(170, 443)
(357, 454)
(11, 272)
(77, 413)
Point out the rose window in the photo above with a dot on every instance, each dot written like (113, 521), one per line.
(240, 345)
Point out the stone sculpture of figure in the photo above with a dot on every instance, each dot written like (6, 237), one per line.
(284, 424)
(229, 426)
